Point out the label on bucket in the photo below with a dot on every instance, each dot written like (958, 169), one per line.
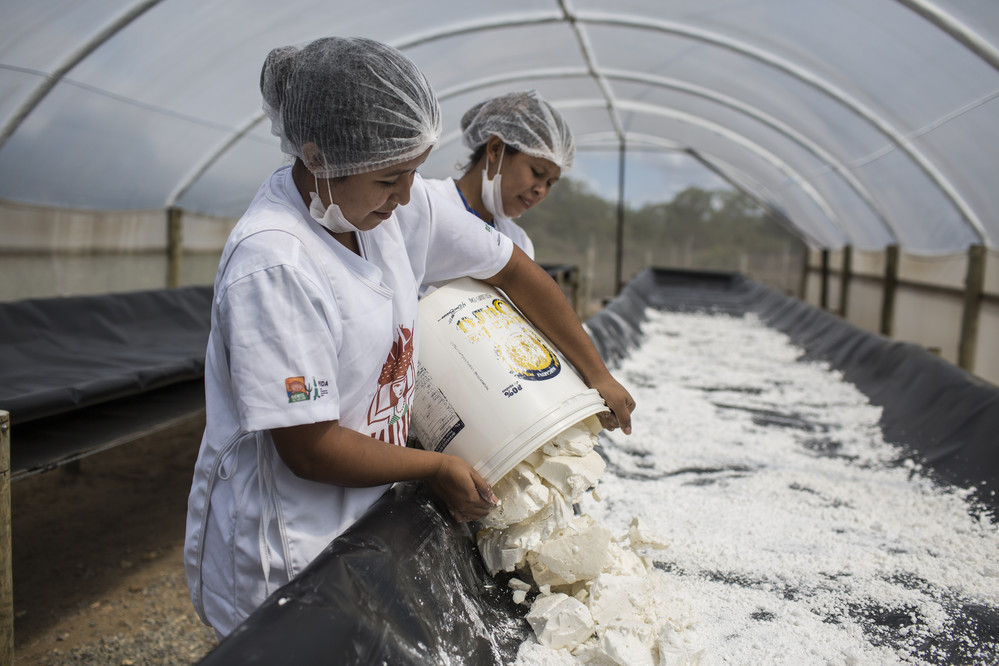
(491, 388)
(439, 422)
(523, 352)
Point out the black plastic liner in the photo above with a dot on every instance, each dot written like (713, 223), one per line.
(62, 354)
(405, 585)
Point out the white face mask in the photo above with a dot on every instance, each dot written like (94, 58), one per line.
(492, 190)
(330, 216)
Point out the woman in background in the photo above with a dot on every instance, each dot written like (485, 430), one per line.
(520, 145)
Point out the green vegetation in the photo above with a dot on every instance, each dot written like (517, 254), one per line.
(701, 229)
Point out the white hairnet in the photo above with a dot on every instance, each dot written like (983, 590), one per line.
(523, 120)
(363, 104)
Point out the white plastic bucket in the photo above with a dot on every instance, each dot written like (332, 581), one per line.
(490, 388)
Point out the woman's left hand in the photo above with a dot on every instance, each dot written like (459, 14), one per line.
(619, 401)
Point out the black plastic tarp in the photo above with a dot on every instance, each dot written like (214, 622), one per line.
(403, 585)
(85, 373)
(62, 354)
(406, 585)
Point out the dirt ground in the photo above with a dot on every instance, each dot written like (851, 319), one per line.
(98, 558)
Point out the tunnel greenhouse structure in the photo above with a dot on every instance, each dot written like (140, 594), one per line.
(132, 138)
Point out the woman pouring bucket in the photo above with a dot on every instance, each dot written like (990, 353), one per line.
(315, 331)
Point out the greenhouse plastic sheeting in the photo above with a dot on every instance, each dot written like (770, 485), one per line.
(405, 584)
(860, 122)
(62, 354)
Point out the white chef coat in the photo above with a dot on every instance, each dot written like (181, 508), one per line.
(304, 331)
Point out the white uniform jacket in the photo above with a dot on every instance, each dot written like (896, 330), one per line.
(303, 331)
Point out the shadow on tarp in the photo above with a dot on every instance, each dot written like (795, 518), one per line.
(404, 585)
(82, 374)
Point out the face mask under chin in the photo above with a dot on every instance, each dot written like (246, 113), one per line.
(331, 217)
(492, 190)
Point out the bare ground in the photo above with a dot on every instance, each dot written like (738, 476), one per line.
(98, 558)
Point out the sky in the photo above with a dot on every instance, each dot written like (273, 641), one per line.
(649, 176)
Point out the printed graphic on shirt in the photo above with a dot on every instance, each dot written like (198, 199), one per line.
(518, 345)
(299, 391)
(389, 413)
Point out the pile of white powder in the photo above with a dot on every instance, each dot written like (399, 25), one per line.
(795, 534)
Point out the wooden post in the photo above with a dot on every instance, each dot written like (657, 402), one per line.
(974, 285)
(844, 284)
(890, 287)
(6, 575)
(175, 245)
(806, 269)
(824, 291)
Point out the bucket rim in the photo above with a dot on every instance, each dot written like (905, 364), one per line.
(579, 407)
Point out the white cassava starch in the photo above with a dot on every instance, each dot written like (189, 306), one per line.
(796, 534)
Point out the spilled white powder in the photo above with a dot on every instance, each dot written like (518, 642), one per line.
(796, 534)
(597, 598)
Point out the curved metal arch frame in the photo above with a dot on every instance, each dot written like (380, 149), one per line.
(578, 20)
(593, 139)
(712, 163)
(834, 164)
(76, 57)
(754, 148)
(877, 121)
(956, 29)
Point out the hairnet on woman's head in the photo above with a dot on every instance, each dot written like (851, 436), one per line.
(523, 120)
(363, 104)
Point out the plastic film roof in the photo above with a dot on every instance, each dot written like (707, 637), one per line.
(860, 122)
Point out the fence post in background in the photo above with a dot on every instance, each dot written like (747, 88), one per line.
(844, 284)
(175, 245)
(890, 287)
(974, 285)
(805, 270)
(824, 289)
(6, 575)
(619, 263)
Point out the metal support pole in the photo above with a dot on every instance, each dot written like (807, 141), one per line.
(889, 289)
(844, 288)
(620, 221)
(175, 245)
(974, 286)
(6, 575)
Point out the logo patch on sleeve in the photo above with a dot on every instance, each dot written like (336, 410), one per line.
(299, 391)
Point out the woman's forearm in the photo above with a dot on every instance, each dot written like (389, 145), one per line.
(328, 453)
(541, 300)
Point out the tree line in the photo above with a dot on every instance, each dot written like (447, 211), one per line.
(716, 229)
